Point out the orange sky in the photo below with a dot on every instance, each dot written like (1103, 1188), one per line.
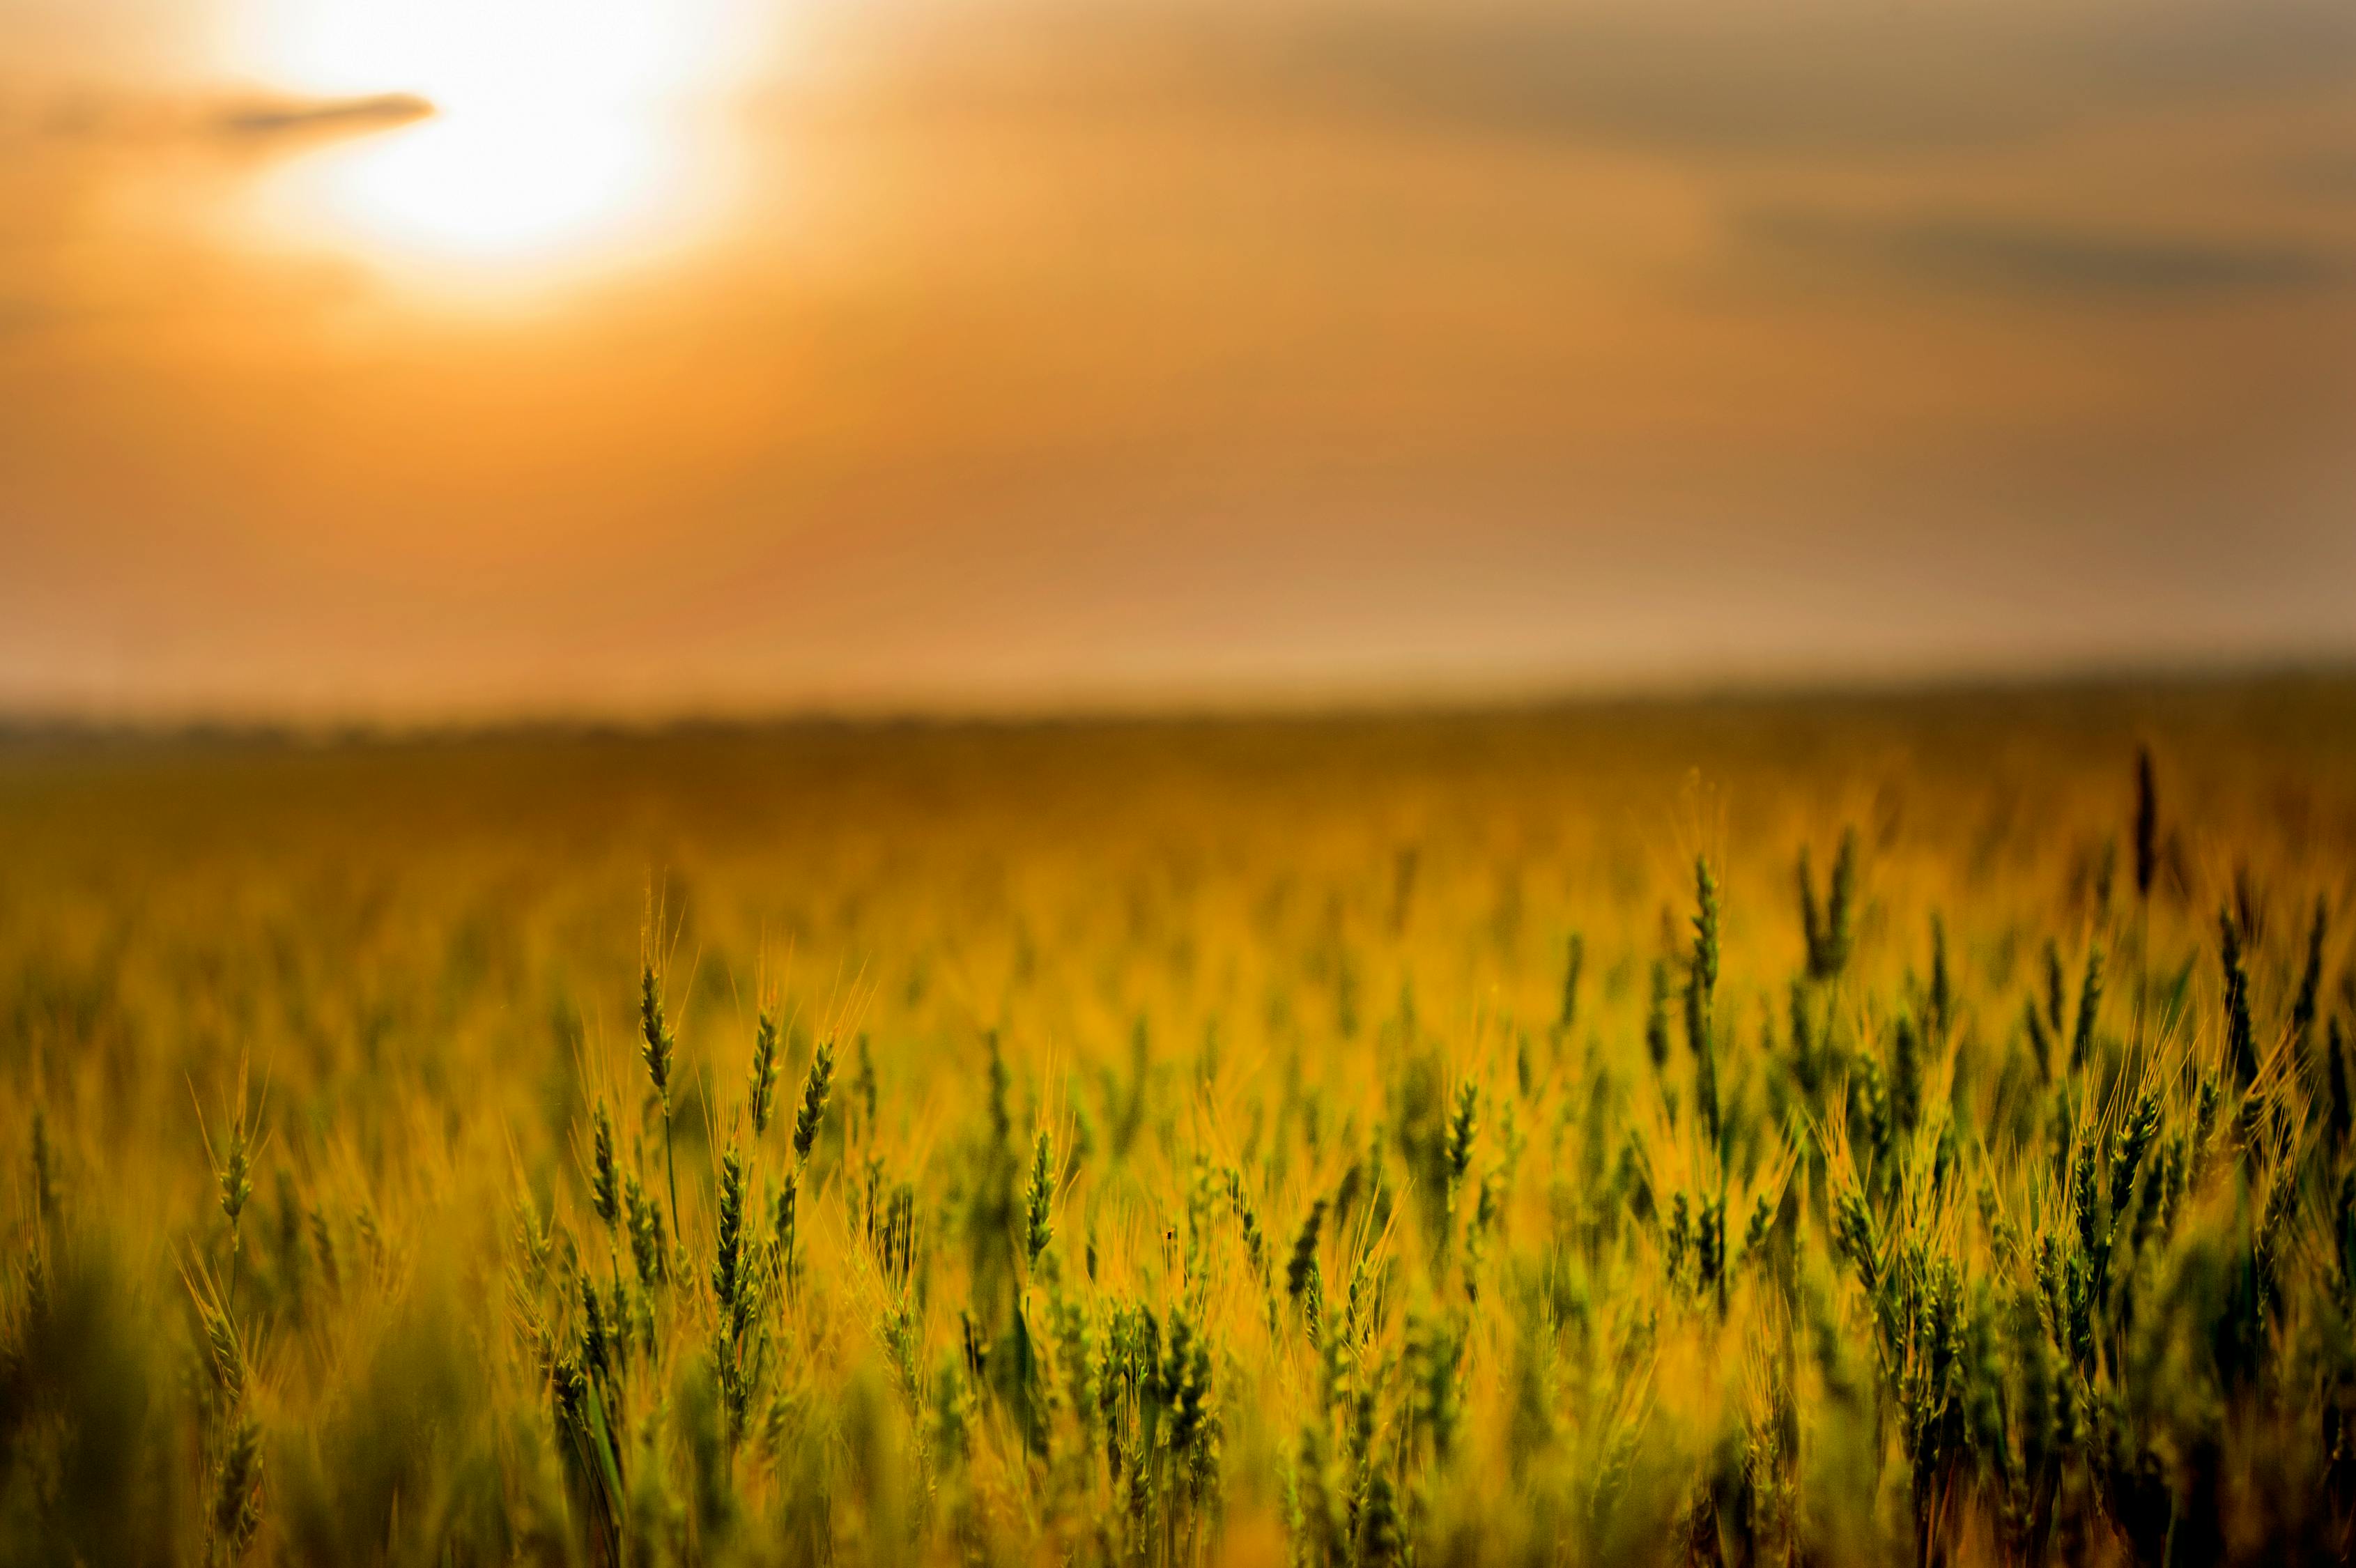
(421, 357)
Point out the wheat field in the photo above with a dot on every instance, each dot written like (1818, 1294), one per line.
(1832, 1130)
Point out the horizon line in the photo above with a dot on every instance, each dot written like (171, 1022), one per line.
(1278, 703)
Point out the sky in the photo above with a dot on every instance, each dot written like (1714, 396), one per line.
(491, 357)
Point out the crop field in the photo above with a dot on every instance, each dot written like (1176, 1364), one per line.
(1895, 1130)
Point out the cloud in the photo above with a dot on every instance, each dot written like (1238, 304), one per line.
(2326, 173)
(2025, 257)
(26, 314)
(328, 116)
(134, 119)
(1805, 76)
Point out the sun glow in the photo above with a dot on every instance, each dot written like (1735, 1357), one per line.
(490, 186)
(559, 130)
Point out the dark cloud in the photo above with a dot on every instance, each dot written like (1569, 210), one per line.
(2029, 258)
(331, 116)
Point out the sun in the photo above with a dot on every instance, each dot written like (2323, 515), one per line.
(496, 185)
(557, 124)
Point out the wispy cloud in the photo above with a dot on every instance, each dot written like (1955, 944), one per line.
(2021, 256)
(161, 119)
(24, 314)
(1808, 77)
(327, 116)
(2326, 172)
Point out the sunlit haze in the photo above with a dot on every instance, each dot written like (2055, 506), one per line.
(421, 357)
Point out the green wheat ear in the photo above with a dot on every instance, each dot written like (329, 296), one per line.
(731, 1278)
(1701, 989)
(1463, 1126)
(1705, 924)
(232, 1168)
(1828, 934)
(2090, 1002)
(236, 1513)
(783, 1214)
(605, 1178)
(1038, 1227)
(761, 1094)
(1300, 1281)
(2126, 1158)
(657, 1045)
(1906, 1073)
(649, 1250)
(815, 1089)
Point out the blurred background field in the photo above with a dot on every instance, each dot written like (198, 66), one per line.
(1274, 1186)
